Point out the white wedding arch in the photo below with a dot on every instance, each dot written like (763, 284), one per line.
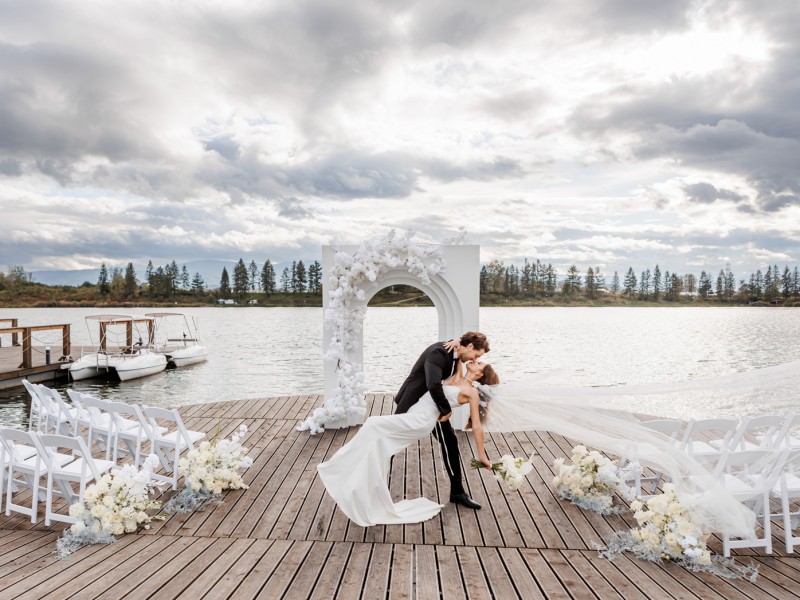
(352, 275)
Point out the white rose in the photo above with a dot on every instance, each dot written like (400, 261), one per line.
(78, 527)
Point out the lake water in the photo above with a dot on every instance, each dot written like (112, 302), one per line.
(261, 352)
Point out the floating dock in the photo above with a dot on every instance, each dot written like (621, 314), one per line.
(24, 359)
(283, 538)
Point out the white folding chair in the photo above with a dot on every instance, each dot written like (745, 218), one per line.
(101, 423)
(168, 445)
(749, 476)
(30, 470)
(49, 415)
(671, 429)
(787, 435)
(83, 470)
(130, 428)
(754, 433)
(37, 409)
(23, 452)
(699, 436)
(787, 490)
(66, 421)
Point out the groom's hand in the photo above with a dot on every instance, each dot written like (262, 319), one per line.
(444, 418)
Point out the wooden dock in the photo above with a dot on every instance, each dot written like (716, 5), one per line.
(283, 538)
(12, 371)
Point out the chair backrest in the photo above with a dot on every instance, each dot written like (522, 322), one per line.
(767, 426)
(761, 466)
(62, 408)
(120, 410)
(95, 407)
(707, 426)
(47, 444)
(790, 423)
(10, 437)
(669, 427)
(154, 413)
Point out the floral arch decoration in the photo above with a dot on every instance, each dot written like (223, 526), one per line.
(449, 275)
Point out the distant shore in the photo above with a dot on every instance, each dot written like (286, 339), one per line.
(256, 300)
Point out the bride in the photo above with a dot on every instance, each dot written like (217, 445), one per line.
(356, 476)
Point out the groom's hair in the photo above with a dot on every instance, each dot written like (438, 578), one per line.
(477, 339)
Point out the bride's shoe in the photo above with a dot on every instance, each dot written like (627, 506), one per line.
(464, 500)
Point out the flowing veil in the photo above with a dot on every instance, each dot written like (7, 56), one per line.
(580, 414)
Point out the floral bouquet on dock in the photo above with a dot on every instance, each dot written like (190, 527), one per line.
(668, 531)
(590, 480)
(116, 504)
(510, 470)
(209, 469)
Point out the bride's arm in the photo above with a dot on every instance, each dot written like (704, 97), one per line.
(477, 427)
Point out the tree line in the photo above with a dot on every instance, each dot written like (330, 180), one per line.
(537, 280)
(296, 279)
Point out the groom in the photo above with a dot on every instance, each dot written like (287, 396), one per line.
(434, 365)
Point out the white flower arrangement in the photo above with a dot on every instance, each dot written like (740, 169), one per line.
(510, 471)
(591, 479)
(116, 504)
(209, 469)
(344, 315)
(668, 530)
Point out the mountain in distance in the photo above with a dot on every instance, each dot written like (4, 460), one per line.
(210, 271)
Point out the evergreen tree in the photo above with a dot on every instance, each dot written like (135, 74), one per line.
(526, 279)
(690, 283)
(130, 281)
(241, 280)
(497, 275)
(786, 283)
(720, 289)
(268, 278)
(198, 285)
(729, 283)
(590, 284)
(704, 287)
(484, 281)
(286, 280)
(667, 287)
(148, 272)
(796, 283)
(173, 272)
(102, 281)
(656, 283)
(572, 284)
(301, 277)
(185, 278)
(630, 282)
(224, 283)
(644, 285)
(599, 280)
(293, 279)
(253, 270)
(615, 283)
(551, 277)
(315, 278)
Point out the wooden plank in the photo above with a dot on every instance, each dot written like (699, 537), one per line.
(377, 579)
(353, 581)
(594, 580)
(566, 573)
(452, 586)
(215, 561)
(288, 568)
(472, 572)
(499, 580)
(524, 583)
(425, 566)
(305, 581)
(413, 489)
(432, 531)
(332, 572)
(551, 586)
(397, 476)
(401, 584)
(253, 552)
(253, 581)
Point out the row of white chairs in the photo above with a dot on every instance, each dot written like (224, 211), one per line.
(28, 456)
(755, 459)
(114, 427)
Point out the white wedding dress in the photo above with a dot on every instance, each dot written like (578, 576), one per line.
(356, 476)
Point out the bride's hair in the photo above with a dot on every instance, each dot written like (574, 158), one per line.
(489, 377)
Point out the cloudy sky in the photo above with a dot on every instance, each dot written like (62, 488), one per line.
(597, 132)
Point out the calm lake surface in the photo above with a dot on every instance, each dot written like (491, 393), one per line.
(261, 352)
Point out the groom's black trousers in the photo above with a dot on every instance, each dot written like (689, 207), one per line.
(447, 438)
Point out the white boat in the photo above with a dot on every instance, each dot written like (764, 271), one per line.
(141, 364)
(116, 352)
(181, 350)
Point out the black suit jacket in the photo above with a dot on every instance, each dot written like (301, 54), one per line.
(433, 365)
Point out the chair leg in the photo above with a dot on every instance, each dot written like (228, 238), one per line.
(767, 526)
(48, 505)
(788, 534)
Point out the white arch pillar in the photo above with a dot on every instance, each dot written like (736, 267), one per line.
(455, 293)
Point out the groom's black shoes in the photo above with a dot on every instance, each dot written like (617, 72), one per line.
(464, 500)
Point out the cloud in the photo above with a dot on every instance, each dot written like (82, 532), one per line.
(706, 193)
